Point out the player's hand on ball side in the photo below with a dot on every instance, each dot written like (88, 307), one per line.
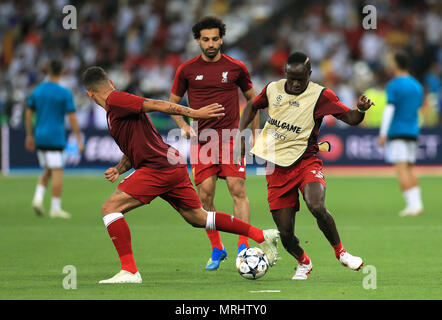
(382, 140)
(213, 110)
(30, 143)
(81, 147)
(364, 103)
(112, 174)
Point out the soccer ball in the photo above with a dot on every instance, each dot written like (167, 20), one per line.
(252, 263)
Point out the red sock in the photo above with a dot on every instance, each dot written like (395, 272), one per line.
(304, 259)
(215, 239)
(243, 240)
(338, 249)
(119, 232)
(228, 223)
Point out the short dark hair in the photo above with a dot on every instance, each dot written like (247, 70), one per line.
(55, 67)
(209, 22)
(402, 60)
(93, 76)
(299, 57)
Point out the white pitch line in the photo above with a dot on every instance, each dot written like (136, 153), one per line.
(264, 291)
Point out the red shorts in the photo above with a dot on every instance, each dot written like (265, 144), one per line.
(283, 183)
(174, 186)
(215, 159)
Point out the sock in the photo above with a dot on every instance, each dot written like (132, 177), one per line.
(39, 193)
(55, 204)
(228, 223)
(338, 249)
(243, 240)
(119, 232)
(304, 259)
(413, 197)
(215, 239)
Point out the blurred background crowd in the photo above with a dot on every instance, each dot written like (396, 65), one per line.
(141, 43)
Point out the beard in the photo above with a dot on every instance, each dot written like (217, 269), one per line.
(211, 54)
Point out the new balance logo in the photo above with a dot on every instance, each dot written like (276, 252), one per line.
(241, 170)
(318, 174)
(224, 74)
(199, 77)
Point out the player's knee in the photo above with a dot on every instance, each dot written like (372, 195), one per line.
(317, 208)
(207, 198)
(239, 194)
(107, 208)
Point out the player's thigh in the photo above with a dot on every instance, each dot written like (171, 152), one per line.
(120, 201)
(237, 187)
(314, 195)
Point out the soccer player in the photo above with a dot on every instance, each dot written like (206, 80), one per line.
(399, 131)
(159, 171)
(207, 78)
(51, 102)
(289, 142)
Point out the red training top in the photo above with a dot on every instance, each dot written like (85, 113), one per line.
(135, 134)
(327, 104)
(213, 82)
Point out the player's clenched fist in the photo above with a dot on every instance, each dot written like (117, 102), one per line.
(112, 174)
(364, 103)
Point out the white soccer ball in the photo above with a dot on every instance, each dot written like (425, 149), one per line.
(252, 263)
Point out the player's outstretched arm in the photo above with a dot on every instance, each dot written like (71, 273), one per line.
(355, 116)
(213, 110)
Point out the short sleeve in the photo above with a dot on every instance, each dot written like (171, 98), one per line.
(70, 107)
(31, 101)
(261, 101)
(329, 104)
(124, 104)
(390, 90)
(180, 83)
(244, 82)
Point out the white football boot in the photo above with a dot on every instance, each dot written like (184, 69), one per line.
(302, 271)
(269, 245)
(124, 277)
(411, 212)
(354, 263)
(59, 214)
(38, 208)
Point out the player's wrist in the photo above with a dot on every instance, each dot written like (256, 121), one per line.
(360, 110)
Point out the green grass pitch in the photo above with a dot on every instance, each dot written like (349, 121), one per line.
(170, 254)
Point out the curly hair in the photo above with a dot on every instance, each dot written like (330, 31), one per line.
(209, 22)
